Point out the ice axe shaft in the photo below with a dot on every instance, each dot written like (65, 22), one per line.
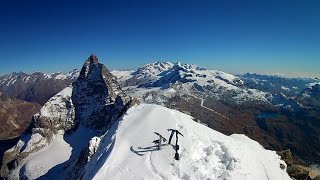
(160, 140)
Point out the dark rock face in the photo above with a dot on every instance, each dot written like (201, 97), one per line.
(295, 169)
(97, 96)
(286, 156)
(86, 154)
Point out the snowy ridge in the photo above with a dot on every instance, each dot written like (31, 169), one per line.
(126, 151)
(13, 78)
(312, 91)
(55, 101)
(152, 82)
(153, 69)
(163, 73)
(310, 85)
(60, 107)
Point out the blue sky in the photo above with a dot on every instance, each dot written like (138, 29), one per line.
(234, 36)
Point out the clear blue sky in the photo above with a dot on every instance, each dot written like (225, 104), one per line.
(234, 36)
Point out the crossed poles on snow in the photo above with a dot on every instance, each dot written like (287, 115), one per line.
(162, 139)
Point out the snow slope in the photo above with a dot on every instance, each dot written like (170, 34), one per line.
(51, 161)
(40, 163)
(126, 151)
(122, 75)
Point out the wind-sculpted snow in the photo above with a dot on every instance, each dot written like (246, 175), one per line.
(126, 151)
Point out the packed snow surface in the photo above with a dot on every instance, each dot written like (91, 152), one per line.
(126, 151)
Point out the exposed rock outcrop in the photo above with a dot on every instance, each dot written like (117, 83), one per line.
(97, 96)
(295, 169)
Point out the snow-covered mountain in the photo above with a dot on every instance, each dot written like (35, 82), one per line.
(163, 77)
(80, 134)
(161, 74)
(76, 133)
(122, 75)
(13, 78)
(233, 104)
(126, 151)
(310, 97)
(37, 87)
(277, 84)
(75, 115)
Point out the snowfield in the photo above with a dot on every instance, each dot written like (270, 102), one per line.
(126, 151)
(122, 75)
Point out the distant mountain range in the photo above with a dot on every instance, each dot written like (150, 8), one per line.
(91, 125)
(277, 84)
(37, 87)
(80, 107)
(278, 112)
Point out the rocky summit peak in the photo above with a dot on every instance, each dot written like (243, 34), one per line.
(91, 69)
(95, 92)
(93, 59)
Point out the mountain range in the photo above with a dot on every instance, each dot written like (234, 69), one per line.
(278, 112)
(84, 112)
(37, 87)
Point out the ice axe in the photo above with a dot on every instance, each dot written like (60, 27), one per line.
(159, 141)
(176, 156)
